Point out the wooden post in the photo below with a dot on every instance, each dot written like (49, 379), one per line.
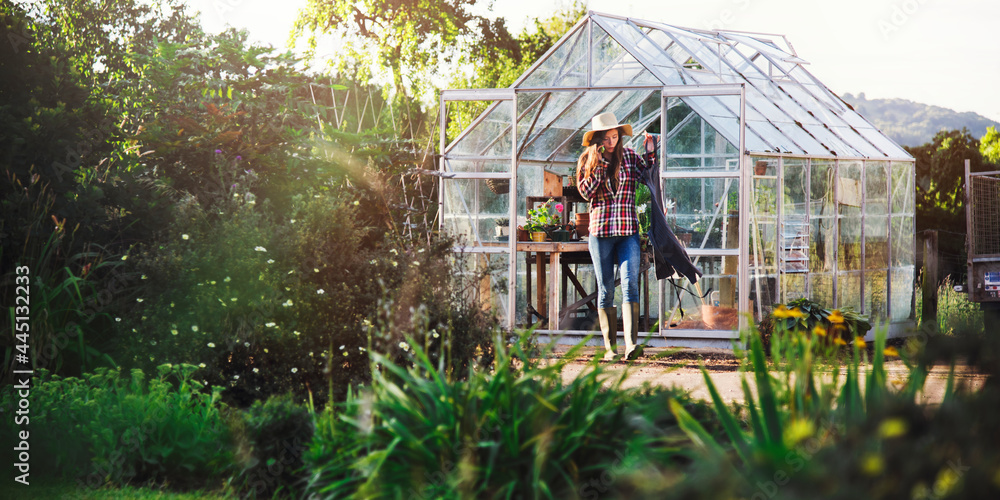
(928, 316)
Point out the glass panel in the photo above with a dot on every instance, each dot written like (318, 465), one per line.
(849, 194)
(883, 143)
(706, 208)
(490, 137)
(902, 187)
(902, 241)
(471, 209)
(765, 187)
(763, 291)
(902, 293)
(692, 133)
(849, 247)
(763, 241)
(876, 188)
(796, 187)
(822, 241)
(821, 288)
(876, 242)
(849, 290)
(799, 140)
(453, 165)
(857, 142)
(718, 311)
(544, 144)
(566, 67)
(794, 286)
(613, 65)
(876, 294)
(821, 187)
(491, 272)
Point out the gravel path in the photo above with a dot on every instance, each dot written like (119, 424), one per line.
(681, 369)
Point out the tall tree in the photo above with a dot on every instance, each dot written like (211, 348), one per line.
(412, 39)
(989, 146)
(940, 177)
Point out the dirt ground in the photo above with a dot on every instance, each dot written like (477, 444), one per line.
(681, 369)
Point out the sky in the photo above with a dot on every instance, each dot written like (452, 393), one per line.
(940, 52)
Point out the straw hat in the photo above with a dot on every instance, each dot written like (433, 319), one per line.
(605, 121)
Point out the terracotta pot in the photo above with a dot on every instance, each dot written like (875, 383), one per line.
(523, 235)
(719, 317)
(583, 229)
(760, 168)
(582, 217)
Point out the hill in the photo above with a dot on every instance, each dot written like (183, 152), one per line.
(912, 123)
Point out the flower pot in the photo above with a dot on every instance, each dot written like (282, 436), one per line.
(719, 317)
(560, 235)
(538, 236)
(582, 217)
(582, 229)
(502, 231)
(523, 235)
(760, 168)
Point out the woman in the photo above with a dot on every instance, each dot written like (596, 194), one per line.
(607, 174)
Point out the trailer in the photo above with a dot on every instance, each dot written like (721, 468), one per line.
(982, 193)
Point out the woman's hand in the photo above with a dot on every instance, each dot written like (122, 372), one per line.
(649, 141)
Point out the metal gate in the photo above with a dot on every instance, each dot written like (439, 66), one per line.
(983, 219)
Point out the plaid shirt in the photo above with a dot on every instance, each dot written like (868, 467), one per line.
(613, 213)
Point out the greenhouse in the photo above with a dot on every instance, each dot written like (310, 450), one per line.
(778, 189)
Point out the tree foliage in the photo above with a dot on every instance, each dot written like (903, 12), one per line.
(411, 39)
(989, 146)
(509, 59)
(940, 174)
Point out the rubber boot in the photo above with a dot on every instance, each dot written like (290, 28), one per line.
(630, 316)
(609, 328)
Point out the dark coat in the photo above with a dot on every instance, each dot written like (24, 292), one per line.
(669, 255)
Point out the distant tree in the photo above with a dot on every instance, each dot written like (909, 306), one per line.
(940, 173)
(989, 146)
(411, 39)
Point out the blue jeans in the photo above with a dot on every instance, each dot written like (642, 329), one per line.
(605, 252)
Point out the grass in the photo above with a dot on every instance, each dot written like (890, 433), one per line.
(70, 490)
(955, 311)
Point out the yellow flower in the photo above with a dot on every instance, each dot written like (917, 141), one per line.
(860, 341)
(819, 330)
(893, 427)
(835, 317)
(840, 341)
(890, 351)
(782, 312)
(872, 464)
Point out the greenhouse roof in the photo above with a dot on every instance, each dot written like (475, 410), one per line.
(619, 64)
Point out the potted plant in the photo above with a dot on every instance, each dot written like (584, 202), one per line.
(544, 219)
(503, 227)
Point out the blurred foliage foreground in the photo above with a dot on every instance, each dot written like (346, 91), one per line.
(819, 422)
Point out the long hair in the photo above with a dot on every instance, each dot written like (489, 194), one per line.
(590, 158)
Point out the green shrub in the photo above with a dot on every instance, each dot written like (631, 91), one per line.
(271, 439)
(111, 428)
(511, 432)
(272, 306)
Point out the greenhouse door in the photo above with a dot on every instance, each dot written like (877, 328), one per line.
(703, 181)
(477, 195)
